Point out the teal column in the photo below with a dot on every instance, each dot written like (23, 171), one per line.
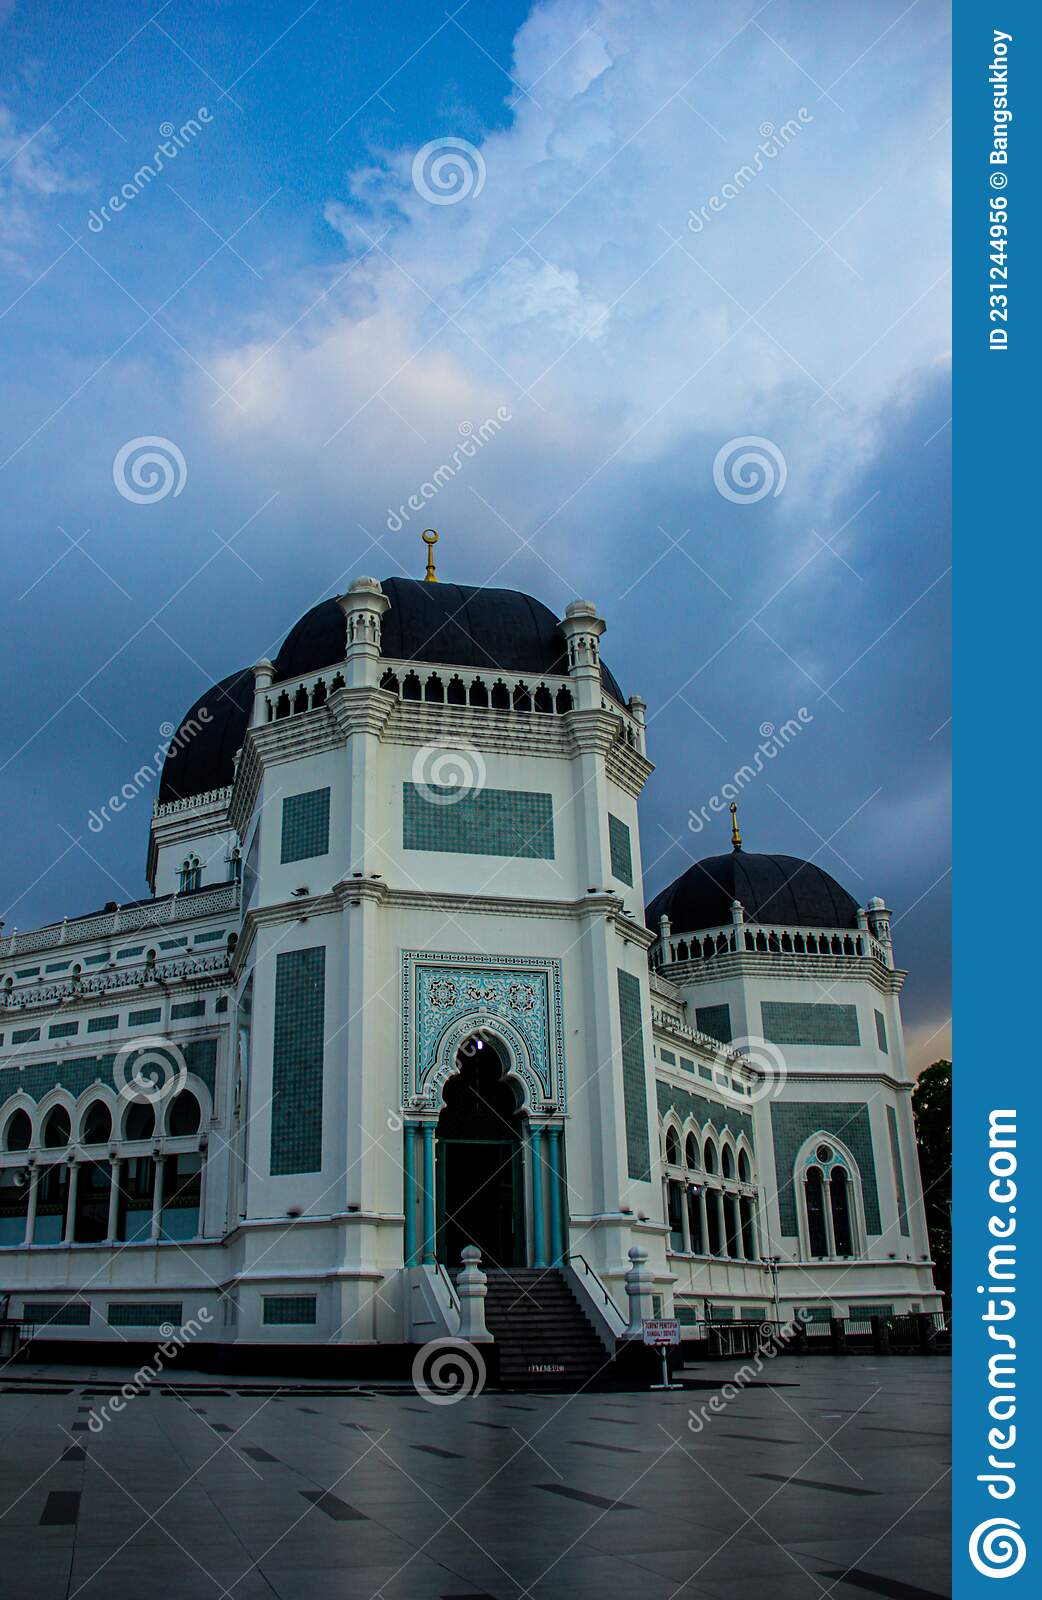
(556, 1230)
(538, 1230)
(427, 1130)
(409, 1166)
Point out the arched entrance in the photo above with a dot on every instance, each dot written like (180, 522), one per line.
(478, 1162)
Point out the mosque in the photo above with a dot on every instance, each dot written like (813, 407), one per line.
(395, 992)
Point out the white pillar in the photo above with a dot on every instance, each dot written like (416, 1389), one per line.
(472, 1286)
(115, 1169)
(30, 1213)
(70, 1203)
(157, 1199)
(639, 1286)
(685, 1220)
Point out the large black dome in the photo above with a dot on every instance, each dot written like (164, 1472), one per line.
(779, 889)
(451, 623)
(440, 623)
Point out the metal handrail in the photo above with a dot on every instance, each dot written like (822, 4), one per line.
(574, 1255)
(453, 1291)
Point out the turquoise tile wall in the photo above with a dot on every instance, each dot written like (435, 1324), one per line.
(142, 1314)
(305, 825)
(792, 1124)
(809, 1022)
(290, 1308)
(62, 1030)
(71, 1314)
(688, 1104)
(297, 1061)
(78, 1072)
(714, 1020)
(482, 822)
(634, 1080)
(621, 852)
(881, 1032)
(899, 1177)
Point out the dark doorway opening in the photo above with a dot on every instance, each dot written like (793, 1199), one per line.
(480, 1192)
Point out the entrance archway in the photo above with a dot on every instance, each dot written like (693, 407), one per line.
(478, 1161)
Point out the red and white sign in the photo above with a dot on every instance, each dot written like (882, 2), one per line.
(661, 1330)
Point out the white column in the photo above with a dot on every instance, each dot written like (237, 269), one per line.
(30, 1213)
(157, 1199)
(70, 1203)
(115, 1170)
(685, 1220)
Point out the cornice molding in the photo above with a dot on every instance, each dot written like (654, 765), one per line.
(774, 964)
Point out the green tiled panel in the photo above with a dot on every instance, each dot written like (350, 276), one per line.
(77, 1073)
(621, 853)
(899, 1176)
(479, 822)
(144, 1019)
(128, 955)
(862, 1313)
(792, 1125)
(62, 1030)
(881, 1032)
(97, 960)
(305, 825)
(634, 1080)
(25, 1035)
(142, 1314)
(290, 1308)
(297, 1059)
(209, 938)
(70, 1314)
(809, 1022)
(715, 1021)
(102, 1024)
(56, 966)
(187, 1008)
(668, 1057)
(686, 1104)
(28, 972)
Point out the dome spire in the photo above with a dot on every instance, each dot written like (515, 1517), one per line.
(430, 539)
(736, 837)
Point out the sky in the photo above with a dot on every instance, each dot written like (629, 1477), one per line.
(645, 235)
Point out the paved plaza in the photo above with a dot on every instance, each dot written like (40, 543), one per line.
(829, 1479)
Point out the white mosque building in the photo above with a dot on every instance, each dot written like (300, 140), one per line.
(396, 992)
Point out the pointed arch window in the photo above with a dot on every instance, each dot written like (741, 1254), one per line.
(190, 876)
(831, 1205)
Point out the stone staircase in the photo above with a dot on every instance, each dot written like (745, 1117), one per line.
(544, 1339)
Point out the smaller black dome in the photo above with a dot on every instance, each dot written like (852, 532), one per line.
(202, 752)
(778, 889)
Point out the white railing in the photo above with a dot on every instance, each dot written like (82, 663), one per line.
(450, 686)
(213, 797)
(123, 919)
(685, 949)
(111, 980)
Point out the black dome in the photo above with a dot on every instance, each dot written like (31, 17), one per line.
(450, 623)
(439, 623)
(780, 889)
(202, 752)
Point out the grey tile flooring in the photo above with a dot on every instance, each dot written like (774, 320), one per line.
(280, 1493)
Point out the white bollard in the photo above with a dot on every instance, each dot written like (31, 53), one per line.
(639, 1287)
(472, 1286)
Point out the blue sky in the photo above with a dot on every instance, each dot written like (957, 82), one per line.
(286, 304)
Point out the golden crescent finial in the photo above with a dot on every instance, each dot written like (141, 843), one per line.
(430, 539)
(736, 837)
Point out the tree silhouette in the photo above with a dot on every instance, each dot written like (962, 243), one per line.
(932, 1107)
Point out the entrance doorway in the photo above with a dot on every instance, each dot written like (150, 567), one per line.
(479, 1173)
